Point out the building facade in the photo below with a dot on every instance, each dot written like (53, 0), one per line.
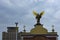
(36, 33)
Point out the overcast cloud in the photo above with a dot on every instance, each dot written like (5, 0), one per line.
(20, 11)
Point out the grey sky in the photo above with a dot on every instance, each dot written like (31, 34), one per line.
(20, 11)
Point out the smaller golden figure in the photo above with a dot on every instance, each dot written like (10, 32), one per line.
(38, 16)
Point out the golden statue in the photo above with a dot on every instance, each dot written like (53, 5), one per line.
(38, 16)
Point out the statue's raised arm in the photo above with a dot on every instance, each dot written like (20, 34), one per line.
(38, 16)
